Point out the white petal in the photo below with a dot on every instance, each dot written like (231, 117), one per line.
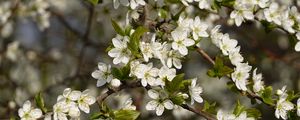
(27, 106)
(160, 110)
(144, 82)
(188, 42)
(177, 63)
(89, 100)
(183, 50)
(153, 94)
(84, 107)
(116, 4)
(168, 104)
(74, 95)
(117, 43)
(36, 113)
(74, 112)
(297, 46)
(115, 52)
(198, 98)
(100, 83)
(151, 105)
(97, 74)
(21, 112)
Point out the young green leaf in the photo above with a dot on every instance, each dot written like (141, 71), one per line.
(267, 95)
(252, 112)
(219, 69)
(126, 115)
(177, 99)
(95, 2)
(238, 108)
(134, 41)
(40, 102)
(117, 28)
(210, 107)
(268, 26)
(172, 86)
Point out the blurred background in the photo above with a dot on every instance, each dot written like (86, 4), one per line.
(49, 59)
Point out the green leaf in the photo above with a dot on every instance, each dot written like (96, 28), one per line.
(238, 108)
(95, 2)
(252, 112)
(292, 95)
(172, 86)
(95, 116)
(268, 26)
(117, 73)
(126, 115)
(40, 102)
(163, 13)
(231, 86)
(267, 95)
(134, 41)
(210, 107)
(117, 28)
(177, 99)
(219, 69)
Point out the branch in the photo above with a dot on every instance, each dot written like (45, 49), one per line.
(137, 84)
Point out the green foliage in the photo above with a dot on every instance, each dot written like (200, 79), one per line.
(238, 108)
(105, 113)
(210, 107)
(126, 115)
(218, 4)
(252, 112)
(231, 86)
(219, 69)
(134, 41)
(122, 73)
(174, 85)
(117, 28)
(292, 95)
(95, 2)
(266, 95)
(268, 26)
(40, 102)
(292, 115)
(177, 99)
(163, 13)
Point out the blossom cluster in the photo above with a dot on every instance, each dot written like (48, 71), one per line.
(68, 104)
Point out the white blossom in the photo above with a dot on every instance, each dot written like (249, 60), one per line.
(120, 53)
(199, 28)
(235, 56)
(287, 22)
(227, 44)
(147, 74)
(174, 59)
(240, 75)
(27, 112)
(261, 3)
(184, 24)
(115, 83)
(181, 42)
(135, 3)
(122, 2)
(204, 4)
(240, 13)
(157, 103)
(127, 105)
(216, 36)
(221, 115)
(272, 14)
(283, 106)
(195, 92)
(103, 74)
(146, 50)
(60, 110)
(85, 101)
(258, 83)
(166, 73)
